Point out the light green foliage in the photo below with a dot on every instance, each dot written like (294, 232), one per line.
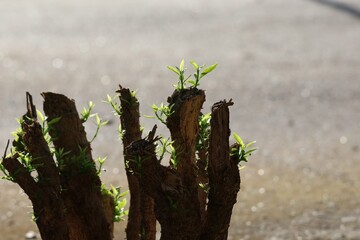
(163, 148)
(119, 200)
(115, 106)
(99, 123)
(59, 155)
(180, 71)
(242, 152)
(162, 112)
(47, 126)
(86, 113)
(117, 110)
(205, 187)
(101, 162)
(174, 156)
(204, 131)
(199, 73)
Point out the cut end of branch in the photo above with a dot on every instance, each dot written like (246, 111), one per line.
(221, 104)
(6, 148)
(31, 109)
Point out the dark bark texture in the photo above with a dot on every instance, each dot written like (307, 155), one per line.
(180, 204)
(66, 194)
(141, 219)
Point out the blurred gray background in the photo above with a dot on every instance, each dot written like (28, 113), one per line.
(292, 67)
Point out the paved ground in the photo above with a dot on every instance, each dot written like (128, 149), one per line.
(292, 68)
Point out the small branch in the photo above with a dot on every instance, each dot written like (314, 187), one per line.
(31, 109)
(141, 217)
(6, 148)
(22, 177)
(38, 148)
(224, 177)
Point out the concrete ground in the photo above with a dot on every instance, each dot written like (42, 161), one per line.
(292, 67)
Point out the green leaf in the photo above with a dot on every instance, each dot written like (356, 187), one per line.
(123, 194)
(174, 70)
(192, 82)
(249, 144)
(109, 98)
(114, 190)
(122, 203)
(41, 116)
(154, 107)
(104, 123)
(250, 151)
(195, 65)
(238, 139)
(98, 120)
(208, 70)
(54, 120)
(181, 67)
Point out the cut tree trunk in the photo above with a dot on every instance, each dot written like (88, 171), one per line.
(66, 194)
(66, 191)
(141, 219)
(179, 201)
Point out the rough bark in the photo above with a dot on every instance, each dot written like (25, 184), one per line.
(179, 204)
(44, 192)
(141, 219)
(174, 188)
(224, 177)
(66, 196)
(80, 183)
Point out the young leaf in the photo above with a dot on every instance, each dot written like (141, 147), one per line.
(175, 70)
(98, 120)
(208, 70)
(250, 151)
(181, 67)
(195, 65)
(192, 82)
(53, 121)
(41, 116)
(249, 144)
(238, 139)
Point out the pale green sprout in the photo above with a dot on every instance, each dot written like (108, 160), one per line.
(119, 200)
(162, 112)
(199, 73)
(99, 123)
(86, 113)
(163, 147)
(241, 152)
(180, 71)
(115, 106)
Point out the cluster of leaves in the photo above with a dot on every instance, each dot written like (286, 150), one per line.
(162, 112)
(241, 151)
(86, 115)
(165, 147)
(59, 154)
(200, 72)
(119, 200)
(204, 131)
